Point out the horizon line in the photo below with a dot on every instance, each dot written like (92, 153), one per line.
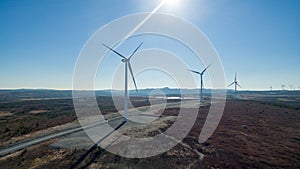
(58, 89)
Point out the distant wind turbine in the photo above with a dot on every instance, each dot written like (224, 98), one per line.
(127, 64)
(271, 87)
(282, 87)
(235, 82)
(291, 86)
(201, 80)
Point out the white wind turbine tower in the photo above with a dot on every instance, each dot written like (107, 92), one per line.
(127, 65)
(235, 82)
(201, 80)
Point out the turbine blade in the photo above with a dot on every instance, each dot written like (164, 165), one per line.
(235, 77)
(194, 71)
(136, 50)
(129, 65)
(239, 85)
(114, 51)
(230, 84)
(205, 68)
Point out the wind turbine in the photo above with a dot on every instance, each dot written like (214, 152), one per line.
(126, 61)
(282, 87)
(235, 82)
(201, 80)
(271, 87)
(291, 86)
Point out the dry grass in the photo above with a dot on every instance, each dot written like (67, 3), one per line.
(38, 111)
(5, 113)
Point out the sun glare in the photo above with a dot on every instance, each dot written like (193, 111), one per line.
(171, 3)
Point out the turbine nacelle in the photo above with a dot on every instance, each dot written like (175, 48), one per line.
(125, 60)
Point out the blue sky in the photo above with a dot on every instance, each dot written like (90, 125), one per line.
(41, 39)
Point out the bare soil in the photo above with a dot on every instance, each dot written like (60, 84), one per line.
(5, 113)
(38, 111)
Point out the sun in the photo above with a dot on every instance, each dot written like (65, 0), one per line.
(171, 3)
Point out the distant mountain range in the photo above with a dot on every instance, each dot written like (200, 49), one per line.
(31, 94)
